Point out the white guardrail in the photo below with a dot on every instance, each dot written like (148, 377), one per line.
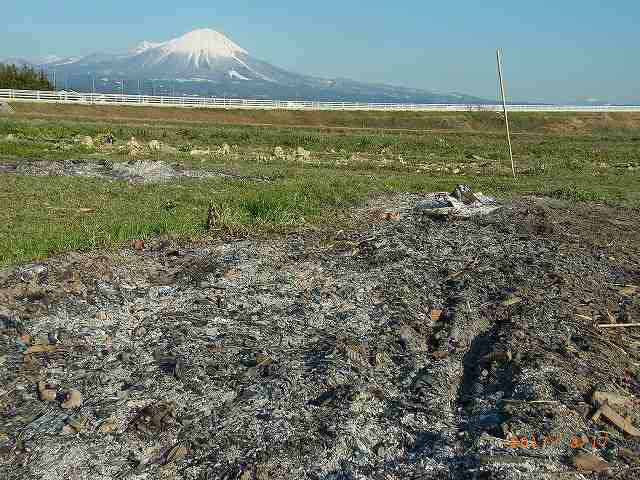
(238, 103)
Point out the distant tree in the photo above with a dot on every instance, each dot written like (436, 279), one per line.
(25, 78)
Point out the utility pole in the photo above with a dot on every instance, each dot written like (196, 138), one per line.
(122, 87)
(506, 118)
(138, 87)
(54, 81)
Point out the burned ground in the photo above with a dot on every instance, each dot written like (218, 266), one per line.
(404, 348)
(135, 171)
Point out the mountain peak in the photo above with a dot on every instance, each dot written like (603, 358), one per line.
(205, 43)
(194, 50)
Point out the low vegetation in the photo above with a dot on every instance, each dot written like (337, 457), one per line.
(40, 216)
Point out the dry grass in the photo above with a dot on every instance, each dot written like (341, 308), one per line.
(559, 123)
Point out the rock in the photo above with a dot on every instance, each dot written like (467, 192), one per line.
(87, 141)
(5, 108)
(585, 462)
(279, 153)
(108, 426)
(391, 216)
(46, 394)
(68, 430)
(73, 399)
(612, 399)
(78, 422)
(155, 418)
(621, 422)
(302, 154)
(140, 331)
(198, 153)
(138, 245)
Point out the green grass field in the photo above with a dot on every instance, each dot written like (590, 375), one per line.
(574, 158)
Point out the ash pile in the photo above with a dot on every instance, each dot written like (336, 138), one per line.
(133, 171)
(414, 348)
(461, 203)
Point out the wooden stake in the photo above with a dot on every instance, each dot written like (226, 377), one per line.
(506, 119)
(618, 325)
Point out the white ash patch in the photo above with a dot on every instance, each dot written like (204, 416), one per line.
(134, 171)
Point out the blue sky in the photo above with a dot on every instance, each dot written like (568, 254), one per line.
(560, 50)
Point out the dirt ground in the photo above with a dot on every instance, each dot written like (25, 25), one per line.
(404, 347)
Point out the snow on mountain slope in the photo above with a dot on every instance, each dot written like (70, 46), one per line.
(144, 46)
(234, 74)
(195, 50)
(203, 44)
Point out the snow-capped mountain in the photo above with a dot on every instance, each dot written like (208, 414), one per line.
(200, 49)
(203, 53)
(205, 62)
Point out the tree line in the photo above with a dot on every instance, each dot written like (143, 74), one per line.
(23, 78)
